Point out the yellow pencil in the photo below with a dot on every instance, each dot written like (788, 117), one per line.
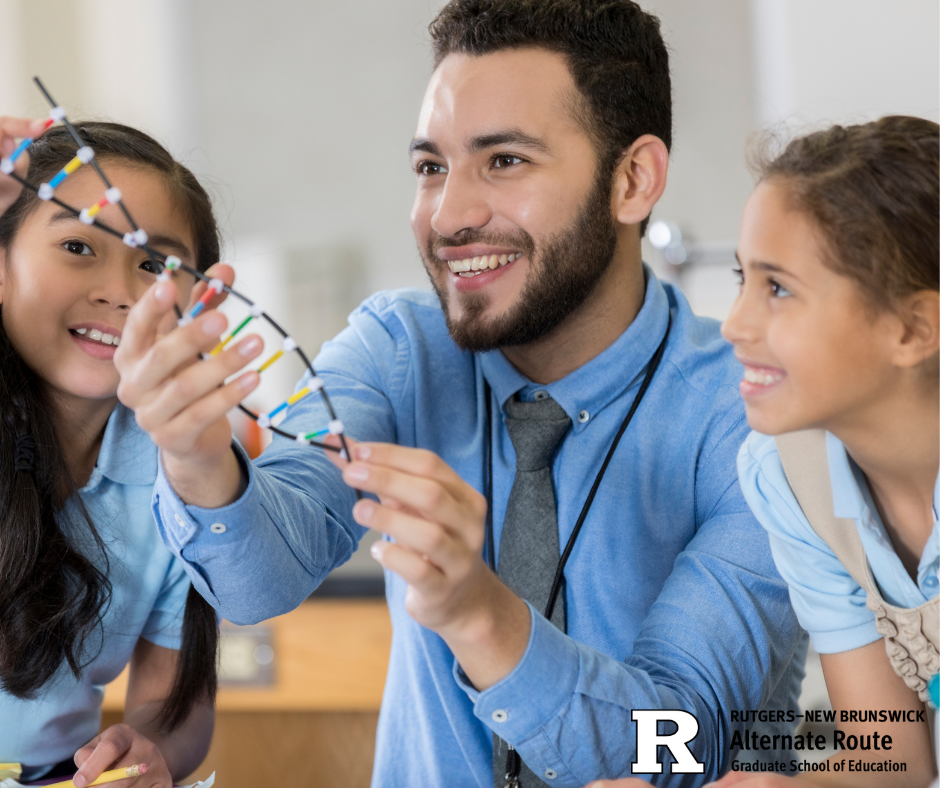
(109, 777)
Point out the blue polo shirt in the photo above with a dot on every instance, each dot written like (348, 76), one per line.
(671, 594)
(149, 589)
(827, 600)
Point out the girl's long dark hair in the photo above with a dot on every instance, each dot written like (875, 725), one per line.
(52, 594)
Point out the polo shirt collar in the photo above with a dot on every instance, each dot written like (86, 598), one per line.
(593, 386)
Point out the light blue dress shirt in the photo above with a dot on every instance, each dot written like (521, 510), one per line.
(671, 594)
(149, 589)
(828, 602)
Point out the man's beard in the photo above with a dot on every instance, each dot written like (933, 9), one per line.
(562, 275)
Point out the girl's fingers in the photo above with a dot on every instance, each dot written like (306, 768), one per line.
(111, 745)
(12, 129)
(196, 381)
(182, 432)
(218, 271)
(140, 330)
(163, 361)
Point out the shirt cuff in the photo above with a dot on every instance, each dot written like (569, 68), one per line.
(182, 524)
(835, 641)
(537, 689)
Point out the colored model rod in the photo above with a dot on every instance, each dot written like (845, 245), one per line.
(166, 264)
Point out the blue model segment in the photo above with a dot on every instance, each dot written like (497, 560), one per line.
(24, 144)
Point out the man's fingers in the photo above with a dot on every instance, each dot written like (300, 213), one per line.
(140, 330)
(198, 379)
(410, 567)
(453, 506)
(418, 462)
(410, 532)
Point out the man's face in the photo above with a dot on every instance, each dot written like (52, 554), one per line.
(511, 217)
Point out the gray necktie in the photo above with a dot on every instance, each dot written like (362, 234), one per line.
(528, 547)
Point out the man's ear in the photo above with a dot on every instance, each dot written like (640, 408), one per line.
(920, 340)
(639, 179)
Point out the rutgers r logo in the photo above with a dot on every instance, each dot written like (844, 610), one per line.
(648, 740)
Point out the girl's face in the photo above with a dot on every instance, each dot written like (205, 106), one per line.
(814, 354)
(66, 288)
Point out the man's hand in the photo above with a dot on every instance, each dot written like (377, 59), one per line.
(181, 402)
(120, 746)
(438, 523)
(11, 130)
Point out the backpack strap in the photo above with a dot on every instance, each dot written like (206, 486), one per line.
(806, 465)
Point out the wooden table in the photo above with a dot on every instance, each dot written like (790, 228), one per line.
(316, 725)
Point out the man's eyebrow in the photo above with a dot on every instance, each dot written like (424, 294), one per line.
(424, 145)
(484, 142)
(507, 137)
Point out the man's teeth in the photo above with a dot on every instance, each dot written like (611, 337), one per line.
(760, 378)
(484, 263)
(96, 336)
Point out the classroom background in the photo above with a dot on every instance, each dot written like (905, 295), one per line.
(297, 116)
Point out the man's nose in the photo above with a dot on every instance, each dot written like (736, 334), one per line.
(462, 205)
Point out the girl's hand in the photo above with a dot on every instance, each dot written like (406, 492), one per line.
(121, 746)
(12, 130)
(179, 403)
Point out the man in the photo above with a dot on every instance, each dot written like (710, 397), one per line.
(541, 148)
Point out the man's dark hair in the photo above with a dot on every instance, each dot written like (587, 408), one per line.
(614, 50)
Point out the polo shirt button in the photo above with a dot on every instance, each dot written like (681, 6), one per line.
(180, 522)
(218, 528)
(499, 715)
(583, 416)
(930, 581)
(550, 774)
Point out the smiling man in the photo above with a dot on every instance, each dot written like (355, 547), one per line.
(551, 439)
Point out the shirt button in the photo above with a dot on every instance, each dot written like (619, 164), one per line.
(499, 715)
(218, 528)
(180, 522)
(550, 774)
(583, 416)
(540, 395)
(930, 581)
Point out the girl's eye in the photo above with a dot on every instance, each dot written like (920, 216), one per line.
(429, 168)
(149, 267)
(77, 247)
(504, 160)
(778, 289)
(739, 273)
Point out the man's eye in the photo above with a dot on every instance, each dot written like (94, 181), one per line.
(77, 247)
(149, 267)
(505, 160)
(428, 168)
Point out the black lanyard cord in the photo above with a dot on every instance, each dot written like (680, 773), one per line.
(560, 571)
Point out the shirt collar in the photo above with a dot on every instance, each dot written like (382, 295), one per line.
(127, 455)
(595, 385)
(848, 498)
